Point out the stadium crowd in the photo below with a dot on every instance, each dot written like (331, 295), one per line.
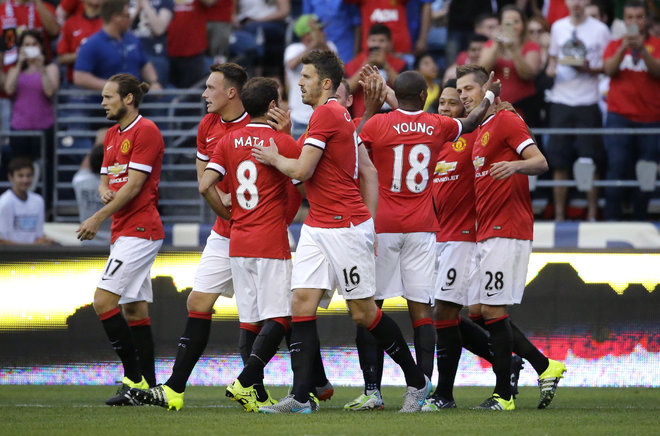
(562, 63)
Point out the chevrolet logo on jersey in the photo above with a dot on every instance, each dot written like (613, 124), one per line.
(459, 145)
(125, 146)
(484, 139)
(117, 169)
(478, 162)
(442, 168)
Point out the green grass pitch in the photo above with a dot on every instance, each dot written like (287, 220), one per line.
(80, 410)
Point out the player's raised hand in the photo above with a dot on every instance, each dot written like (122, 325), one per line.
(503, 170)
(279, 120)
(88, 228)
(366, 72)
(494, 86)
(108, 196)
(375, 92)
(266, 155)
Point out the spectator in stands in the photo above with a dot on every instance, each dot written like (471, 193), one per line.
(76, 29)
(311, 35)
(21, 211)
(461, 24)
(86, 183)
(68, 8)
(378, 54)
(112, 50)
(633, 63)
(218, 28)
(427, 67)
(150, 19)
(260, 37)
(419, 24)
(187, 43)
(390, 13)
(437, 38)
(576, 50)
(515, 60)
(485, 27)
(31, 84)
(341, 24)
(538, 31)
(536, 113)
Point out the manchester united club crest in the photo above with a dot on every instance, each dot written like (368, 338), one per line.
(459, 145)
(125, 146)
(484, 139)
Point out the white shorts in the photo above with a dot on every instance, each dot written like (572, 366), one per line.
(456, 265)
(127, 272)
(213, 274)
(336, 258)
(263, 288)
(405, 266)
(502, 270)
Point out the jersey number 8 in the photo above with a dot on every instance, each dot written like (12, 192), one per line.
(246, 174)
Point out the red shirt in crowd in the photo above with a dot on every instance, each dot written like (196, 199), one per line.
(186, 35)
(77, 28)
(222, 10)
(514, 88)
(391, 13)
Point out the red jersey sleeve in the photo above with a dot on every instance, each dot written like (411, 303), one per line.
(611, 48)
(106, 156)
(218, 162)
(148, 145)
(202, 130)
(516, 133)
(450, 127)
(320, 128)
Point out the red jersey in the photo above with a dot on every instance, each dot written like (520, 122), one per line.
(72, 6)
(259, 197)
(211, 129)
(222, 10)
(633, 92)
(333, 191)
(453, 191)
(504, 207)
(186, 35)
(391, 13)
(514, 88)
(404, 148)
(75, 31)
(398, 64)
(21, 17)
(138, 147)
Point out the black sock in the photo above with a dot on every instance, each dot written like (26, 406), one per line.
(246, 336)
(478, 320)
(475, 339)
(264, 348)
(389, 337)
(319, 378)
(449, 353)
(424, 339)
(501, 344)
(525, 349)
(303, 348)
(191, 346)
(144, 343)
(369, 353)
(119, 333)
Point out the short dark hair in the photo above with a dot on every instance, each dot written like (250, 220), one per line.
(451, 83)
(327, 64)
(408, 86)
(477, 37)
(419, 58)
(96, 158)
(257, 94)
(129, 84)
(631, 4)
(483, 17)
(380, 29)
(233, 73)
(40, 40)
(110, 8)
(18, 163)
(480, 73)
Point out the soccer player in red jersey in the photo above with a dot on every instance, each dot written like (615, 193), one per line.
(129, 188)
(213, 277)
(259, 247)
(503, 155)
(337, 242)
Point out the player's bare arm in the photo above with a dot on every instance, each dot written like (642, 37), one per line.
(368, 180)
(106, 194)
(300, 169)
(208, 189)
(126, 193)
(533, 163)
(477, 115)
(225, 197)
(369, 71)
(374, 97)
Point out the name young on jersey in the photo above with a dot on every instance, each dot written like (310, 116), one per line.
(413, 127)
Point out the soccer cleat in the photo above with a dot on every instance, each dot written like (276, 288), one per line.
(496, 402)
(433, 404)
(268, 402)
(123, 397)
(314, 402)
(414, 398)
(288, 404)
(161, 396)
(246, 397)
(372, 400)
(516, 367)
(324, 393)
(548, 382)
